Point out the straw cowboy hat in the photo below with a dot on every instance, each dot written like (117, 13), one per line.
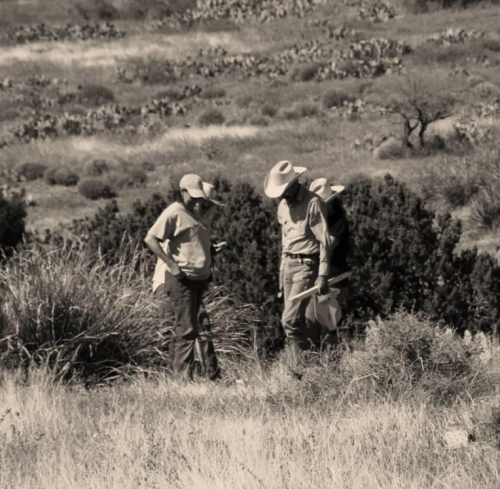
(209, 190)
(326, 192)
(280, 177)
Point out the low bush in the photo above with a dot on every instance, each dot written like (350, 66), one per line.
(12, 215)
(300, 111)
(95, 95)
(150, 70)
(458, 193)
(170, 93)
(211, 116)
(269, 110)
(485, 207)
(409, 356)
(31, 171)
(99, 166)
(135, 177)
(61, 176)
(305, 73)
(336, 98)
(94, 189)
(389, 149)
(213, 92)
(148, 166)
(492, 45)
(96, 10)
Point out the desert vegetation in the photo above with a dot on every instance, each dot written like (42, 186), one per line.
(104, 104)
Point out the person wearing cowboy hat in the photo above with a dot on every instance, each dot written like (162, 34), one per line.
(182, 244)
(338, 228)
(306, 249)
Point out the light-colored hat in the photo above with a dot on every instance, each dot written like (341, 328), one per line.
(280, 177)
(209, 190)
(326, 192)
(194, 186)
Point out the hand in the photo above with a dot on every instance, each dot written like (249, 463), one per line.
(322, 284)
(218, 247)
(177, 272)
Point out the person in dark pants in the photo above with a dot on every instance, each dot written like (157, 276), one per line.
(306, 249)
(338, 228)
(182, 244)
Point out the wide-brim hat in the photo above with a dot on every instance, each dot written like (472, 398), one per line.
(280, 177)
(326, 192)
(209, 190)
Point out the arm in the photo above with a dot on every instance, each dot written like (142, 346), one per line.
(319, 227)
(336, 232)
(282, 265)
(162, 229)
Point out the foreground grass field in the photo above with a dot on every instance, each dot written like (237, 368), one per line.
(268, 432)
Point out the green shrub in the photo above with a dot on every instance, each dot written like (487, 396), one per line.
(12, 215)
(429, 5)
(336, 98)
(485, 208)
(269, 110)
(150, 70)
(61, 176)
(171, 93)
(458, 193)
(409, 356)
(95, 95)
(148, 166)
(213, 92)
(300, 111)
(135, 177)
(402, 256)
(211, 116)
(305, 73)
(389, 149)
(96, 9)
(99, 166)
(31, 171)
(94, 189)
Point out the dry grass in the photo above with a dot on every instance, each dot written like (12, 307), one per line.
(260, 433)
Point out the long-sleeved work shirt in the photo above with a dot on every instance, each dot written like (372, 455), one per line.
(304, 228)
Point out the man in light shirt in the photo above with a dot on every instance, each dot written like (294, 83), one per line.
(306, 249)
(182, 244)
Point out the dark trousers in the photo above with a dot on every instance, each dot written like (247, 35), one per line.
(180, 304)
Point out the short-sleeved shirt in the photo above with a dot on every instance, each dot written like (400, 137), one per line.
(304, 227)
(186, 239)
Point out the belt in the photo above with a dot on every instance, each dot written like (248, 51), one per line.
(301, 256)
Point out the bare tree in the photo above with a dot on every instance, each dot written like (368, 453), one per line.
(419, 103)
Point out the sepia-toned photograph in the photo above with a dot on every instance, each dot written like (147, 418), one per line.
(249, 244)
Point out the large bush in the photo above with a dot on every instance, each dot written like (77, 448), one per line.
(12, 214)
(403, 255)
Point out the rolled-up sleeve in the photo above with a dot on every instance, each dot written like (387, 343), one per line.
(319, 227)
